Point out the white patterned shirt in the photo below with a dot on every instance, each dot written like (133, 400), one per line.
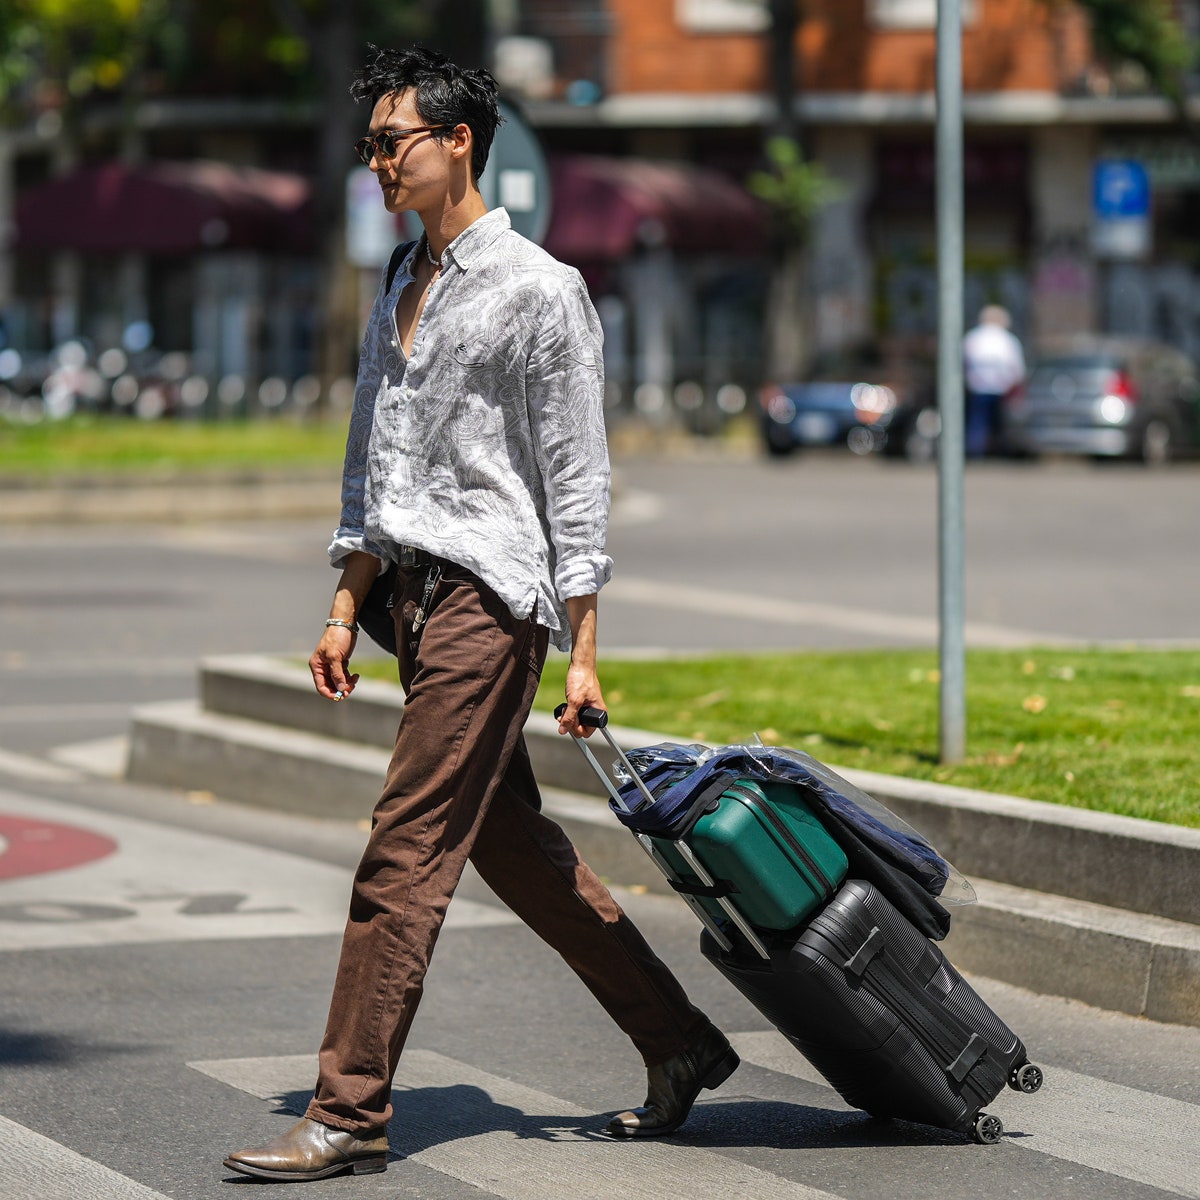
(486, 446)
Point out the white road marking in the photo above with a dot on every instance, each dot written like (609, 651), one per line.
(36, 1168)
(631, 508)
(1120, 1130)
(106, 757)
(33, 714)
(17, 662)
(520, 1144)
(22, 766)
(741, 606)
(166, 884)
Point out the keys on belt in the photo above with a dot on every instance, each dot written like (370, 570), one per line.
(431, 582)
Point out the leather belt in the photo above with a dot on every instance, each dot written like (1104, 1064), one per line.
(412, 558)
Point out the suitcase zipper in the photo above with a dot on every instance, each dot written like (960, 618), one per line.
(752, 802)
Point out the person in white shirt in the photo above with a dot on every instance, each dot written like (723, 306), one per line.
(994, 365)
(477, 468)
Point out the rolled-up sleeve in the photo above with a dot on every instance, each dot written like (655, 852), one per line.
(564, 389)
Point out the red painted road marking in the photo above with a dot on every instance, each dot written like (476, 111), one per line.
(36, 847)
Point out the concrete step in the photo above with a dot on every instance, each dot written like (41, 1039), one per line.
(1129, 962)
(1143, 866)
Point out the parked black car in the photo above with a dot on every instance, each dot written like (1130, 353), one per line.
(825, 413)
(1107, 398)
(913, 428)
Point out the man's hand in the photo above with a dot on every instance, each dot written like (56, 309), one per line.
(583, 691)
(583, 686)
(330, 663)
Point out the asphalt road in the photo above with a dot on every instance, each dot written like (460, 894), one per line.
(162, 1005)
(818, 551)
(165, 962)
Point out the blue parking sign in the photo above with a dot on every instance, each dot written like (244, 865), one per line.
(1121, 189)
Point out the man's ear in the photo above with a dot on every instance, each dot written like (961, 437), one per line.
(462, 141)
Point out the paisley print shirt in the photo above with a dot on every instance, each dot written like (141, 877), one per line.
(486, 446)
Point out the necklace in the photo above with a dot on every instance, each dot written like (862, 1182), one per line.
(435, 263)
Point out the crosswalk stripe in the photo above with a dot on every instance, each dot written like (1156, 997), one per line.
(35, 1166)
(518, 1143)
(1136, 1135)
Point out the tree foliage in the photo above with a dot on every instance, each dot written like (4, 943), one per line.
(794, 189)
(73, 46)
(53, 52)
(1148, 34)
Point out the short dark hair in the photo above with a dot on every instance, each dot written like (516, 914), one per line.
(444, 93)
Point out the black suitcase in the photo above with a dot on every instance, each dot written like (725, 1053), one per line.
(875, 1006)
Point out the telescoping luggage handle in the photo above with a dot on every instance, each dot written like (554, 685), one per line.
(597, 718)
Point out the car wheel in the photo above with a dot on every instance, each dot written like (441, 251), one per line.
(779, 449)
(861, 440)
(920, 442)
(1157, 442)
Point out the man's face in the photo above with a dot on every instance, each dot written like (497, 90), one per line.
(417, 176)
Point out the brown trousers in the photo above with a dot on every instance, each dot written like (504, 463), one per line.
(460, 786)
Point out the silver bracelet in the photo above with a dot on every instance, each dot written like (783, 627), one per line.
(350, 625)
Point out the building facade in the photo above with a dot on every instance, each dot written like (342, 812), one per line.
(656, 111)
(689, 80)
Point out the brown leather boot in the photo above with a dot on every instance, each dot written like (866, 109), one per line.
(310, 1150)
(674, 1085)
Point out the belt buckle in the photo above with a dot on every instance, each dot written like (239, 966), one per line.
(411, 558)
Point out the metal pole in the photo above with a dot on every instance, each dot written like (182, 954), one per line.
(951, 606)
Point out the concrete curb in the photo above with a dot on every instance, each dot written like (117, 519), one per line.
(1122, 862)
(264, 737)
(182, 499)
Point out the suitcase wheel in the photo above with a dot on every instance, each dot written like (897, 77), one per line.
(988, 1129)
(1025, 1078)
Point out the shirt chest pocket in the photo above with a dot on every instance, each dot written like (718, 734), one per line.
(476, 351)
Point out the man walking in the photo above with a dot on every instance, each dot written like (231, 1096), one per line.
(994, 365)
(476, 462)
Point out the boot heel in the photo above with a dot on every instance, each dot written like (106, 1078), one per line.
(722, 1071)
(369, 1166)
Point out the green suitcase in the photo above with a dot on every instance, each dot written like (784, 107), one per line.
(765, 846)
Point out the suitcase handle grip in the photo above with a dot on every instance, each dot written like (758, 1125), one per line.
(596, 718)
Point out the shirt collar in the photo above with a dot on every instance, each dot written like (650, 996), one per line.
(477, 237)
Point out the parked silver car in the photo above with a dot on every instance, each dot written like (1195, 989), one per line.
(1107, 398)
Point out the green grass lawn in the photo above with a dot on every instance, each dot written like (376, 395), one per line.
(119, 445)
(1109, 729)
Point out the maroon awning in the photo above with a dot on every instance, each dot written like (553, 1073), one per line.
(604, 208)
(166, 208)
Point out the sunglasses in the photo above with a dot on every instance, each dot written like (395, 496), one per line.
(386, 143)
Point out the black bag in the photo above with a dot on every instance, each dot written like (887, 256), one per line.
(374, 615)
